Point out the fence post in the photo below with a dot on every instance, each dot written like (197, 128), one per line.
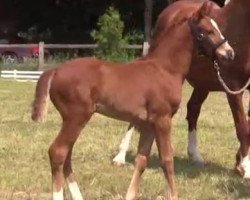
(145, 48)
(15, 73)
(41, 56)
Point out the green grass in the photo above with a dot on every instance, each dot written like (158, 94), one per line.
(25, 170)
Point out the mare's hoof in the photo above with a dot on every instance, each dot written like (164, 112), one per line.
(196, 160)
(199, 164)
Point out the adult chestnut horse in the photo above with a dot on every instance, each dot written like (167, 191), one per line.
(146, 92)
(234, 20)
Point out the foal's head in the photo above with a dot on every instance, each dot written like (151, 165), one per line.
(208, 35)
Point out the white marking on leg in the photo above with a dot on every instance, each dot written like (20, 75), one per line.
(246, 167)
(75, 191)
(58, 195)
(120, 158)
(193, 150)
(226, 2)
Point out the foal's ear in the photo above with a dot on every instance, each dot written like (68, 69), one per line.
(204, 10)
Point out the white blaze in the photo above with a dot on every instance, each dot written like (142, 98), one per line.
(215, 25)
(225, 46)
(226, 2)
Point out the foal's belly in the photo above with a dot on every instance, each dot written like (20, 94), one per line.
(139, 114)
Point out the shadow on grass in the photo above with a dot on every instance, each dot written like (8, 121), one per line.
(238, 187)
(235, 184)
(185, 167)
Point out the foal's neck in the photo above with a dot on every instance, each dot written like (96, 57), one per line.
(172, 49)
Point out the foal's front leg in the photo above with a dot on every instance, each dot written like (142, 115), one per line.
(163, 141)
(141, 161)
(242, 131)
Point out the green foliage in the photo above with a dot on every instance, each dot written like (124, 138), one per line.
(110, 37)
(135, 37)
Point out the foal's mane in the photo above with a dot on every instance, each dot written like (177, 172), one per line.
(161, 30)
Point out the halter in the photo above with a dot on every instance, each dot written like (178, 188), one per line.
(201, 36)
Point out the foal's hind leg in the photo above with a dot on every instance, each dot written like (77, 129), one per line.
(141, 161)
(120, 158)
(60, 154)
(193, 110)
(70, 178)
(242, 131)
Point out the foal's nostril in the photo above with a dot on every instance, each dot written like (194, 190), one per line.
(230, 54)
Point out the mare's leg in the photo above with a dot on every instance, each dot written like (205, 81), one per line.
(163, 141)
(141, 161)
(242, 131)
(120, 158)
(60, 153)
(193, 111)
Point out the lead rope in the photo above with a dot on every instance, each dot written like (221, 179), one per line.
(217, 68)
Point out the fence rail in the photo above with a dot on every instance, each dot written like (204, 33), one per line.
(65, 46)
(41, 46)
(34, 75)
(21, 75)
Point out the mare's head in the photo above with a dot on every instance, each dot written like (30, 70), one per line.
(207, 34)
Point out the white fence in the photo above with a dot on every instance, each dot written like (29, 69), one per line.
(21, 75)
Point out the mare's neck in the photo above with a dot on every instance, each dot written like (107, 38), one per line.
(172, 49)
(236, 15)
(236, 18)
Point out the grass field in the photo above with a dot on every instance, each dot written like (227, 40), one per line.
(25, 170)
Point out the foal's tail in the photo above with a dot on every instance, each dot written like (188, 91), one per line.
(40, 103)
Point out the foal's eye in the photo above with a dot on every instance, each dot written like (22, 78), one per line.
(201, 36)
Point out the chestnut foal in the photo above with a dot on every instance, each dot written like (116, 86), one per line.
(146, 92)
(234, 20)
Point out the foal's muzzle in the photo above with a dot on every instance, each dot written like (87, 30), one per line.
(224, 51)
